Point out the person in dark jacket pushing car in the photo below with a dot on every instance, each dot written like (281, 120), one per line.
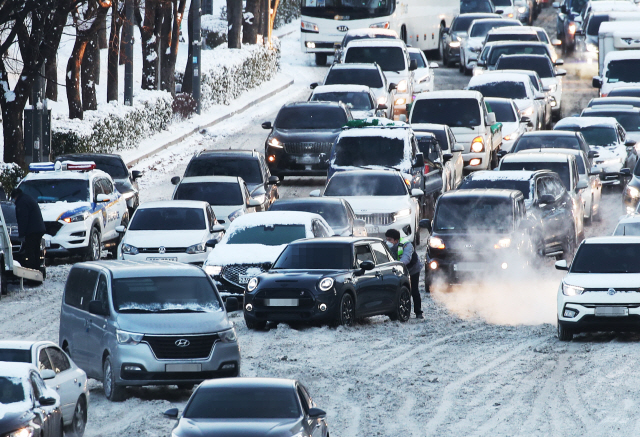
(403, 250)
(30, 227)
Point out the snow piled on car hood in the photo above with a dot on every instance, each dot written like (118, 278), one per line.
(227, 254)
(373, 204)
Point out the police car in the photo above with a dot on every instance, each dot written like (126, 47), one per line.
(80, 207)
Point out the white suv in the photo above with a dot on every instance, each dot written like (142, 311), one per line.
(600, 291)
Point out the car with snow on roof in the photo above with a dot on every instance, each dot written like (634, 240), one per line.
(359, 99)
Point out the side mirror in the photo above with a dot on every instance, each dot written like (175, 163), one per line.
(121, 229)
(446, 157)
(314, 193)
(563, 9)
(316, 413)
(416, 192)
(211, 243)
(457, 147)
(419, 161)
(231, 304)
(596, 82)
(274, 180)
(581, 185)
(481, 63)
(47, 374)
(95, 307)
(267, 125)
(217, 228)
(434, 65)
(102, 198)
(313, 86)
(413, 65)
(625, 172)
(425, 224)
(562, 265)
(592, 154)
(556, 42)
(546, 199)
(559, 62)
(502, 153)
(491, 118)
(499, 11)
(382, 106)
(446, 30)
(367, 265)
(540, 96)
(222, 222)
(595, 170)
(253, 203)
(525, 119)
(171, 413)
(175, 180)
(46, 401)
(392, 86)
(546, 89)
(629, 143)
(136, 174)
(561, 72)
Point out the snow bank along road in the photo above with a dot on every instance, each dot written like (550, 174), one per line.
(485, 361)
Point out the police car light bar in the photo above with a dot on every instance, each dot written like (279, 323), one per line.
(79, 165)
(41, 166)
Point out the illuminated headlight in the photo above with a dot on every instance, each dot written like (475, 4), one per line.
(475, 161)
(310, 45)
(402, 86)
(571, 290)
(592, 48)
(433, 265)
(125, 337)
(382, 100)
(528, 112)
(572, 28)
(435, 243)
(27, 431)
(213, 270)
(454, 44)
(477, 145)
(632, 192)
(503, 243)
(382, 25)
(128, 249)
(274, 142)
(402, 213)
(325, 284)
(228, 336)
(309, 27)
(510, 15)
(400, 101)
(78, 217)
(196, 248)
(253, 283)
(235, 214)
(522, 9)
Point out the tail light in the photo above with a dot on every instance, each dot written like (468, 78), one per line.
(427, 169)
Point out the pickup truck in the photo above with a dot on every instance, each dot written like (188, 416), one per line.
(472, 124)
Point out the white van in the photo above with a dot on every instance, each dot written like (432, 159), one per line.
(616, 36)
(620, 68)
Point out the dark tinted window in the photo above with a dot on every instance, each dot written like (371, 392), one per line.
(607, 258)
(216, 193)
(243, 403)
(630, 121)
(358, 101)
(168, 294)
(311, 117)
(502, 3)
(625, 92)
(357, 76)
(388, 58)
(355, 10)
(594, 24)
(541, 65)
(482, 28)
(469, 6)
(478, 213)
(56, 190)
(441, 137)
(15, 355)
(595, 135)
(334, 213)
(624, 70)
(9, 213)
(270, 235)
(112, 165)
(623, 229)
(11, 391)
(79, 288)
(502, 184)
(496, 52)
(247, 169)
(452, 112)
(361, 185)
(418, 58)
(614, 101)
(362, 151)
(462, 23)
(562, 168)
(543, 36)
(168, 219)
(513, 37)
(315, 257)
(506, 90)
(59, 360)
(503, 110)
(43, 360)
(527, 142)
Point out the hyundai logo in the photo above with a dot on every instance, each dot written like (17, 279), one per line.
(611, 291)
(162, 250)
(342, 28)
(183, 342)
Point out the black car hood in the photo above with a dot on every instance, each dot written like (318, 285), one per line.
(11, 420)
(124, 185)
(473, 241)
(237, 428)
(300, 136)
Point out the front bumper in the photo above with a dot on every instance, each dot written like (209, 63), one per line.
(484, 164)
(378, 231)
(586, 319)
(308, 309)
(182, 257)
(70, 238)
(281, 163)
(456, 269)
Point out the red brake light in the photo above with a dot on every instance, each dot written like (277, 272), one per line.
(427, 169)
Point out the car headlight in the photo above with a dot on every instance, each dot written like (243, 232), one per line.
(400, 101)
(632, 192)
(274, 142)
(307, 26)
(454, 44)
(571, 290)
(128, 249)
(235, 214)
(477, 145)
(197, 248)
(382, 100)
(522, 9)
(402, 213)
(435, 243)
(572, 28)
(325, 284)
(253, 284)
(125, 337)
(402, 86)
(228, 336)
(382, 25)
(78, 217)
(503, 243)
(27, 431)
(213, 270)
(527, 112)
(592, 48)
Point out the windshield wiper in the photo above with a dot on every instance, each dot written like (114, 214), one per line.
(135, 310)
(181, 310)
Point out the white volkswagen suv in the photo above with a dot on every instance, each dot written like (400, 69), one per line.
(601, 290)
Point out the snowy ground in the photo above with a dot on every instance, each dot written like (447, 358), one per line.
(485, 361)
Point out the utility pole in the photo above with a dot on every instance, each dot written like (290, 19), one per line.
(128, 65)
(197, 51)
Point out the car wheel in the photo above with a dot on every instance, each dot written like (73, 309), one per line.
(564, 334)
(403, 306)
(346, 311)
(254, 325)
(95, 246)
(416, 237)
(112, 392)
(79, 421)
(321, 59)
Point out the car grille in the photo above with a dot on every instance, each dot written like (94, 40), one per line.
(303, 148)
(618, 290)
(377, 219)
(232, 272)
(52, 228)
(166, 249)
(165, 348)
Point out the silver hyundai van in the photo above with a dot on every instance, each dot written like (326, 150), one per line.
(134, 323)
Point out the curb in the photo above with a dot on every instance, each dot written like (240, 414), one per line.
(211, 123)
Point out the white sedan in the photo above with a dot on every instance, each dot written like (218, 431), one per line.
(59, 373)
(423, 76)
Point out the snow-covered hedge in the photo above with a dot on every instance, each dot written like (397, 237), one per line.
(10, 175)
(214, 31)
(113, 127)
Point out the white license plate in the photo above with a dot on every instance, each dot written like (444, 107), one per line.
(612, 311)
(468, 267)
(171, 258)
(244, 279)
(308, 159)
(183, 367)
(281, 302)
(372, 229)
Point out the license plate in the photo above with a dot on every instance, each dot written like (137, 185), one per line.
(612, 311)
(244, 279)
(183, 367)
(372, 229)
(308, 159)
(172, 258)
(281, 302)
(468, 267)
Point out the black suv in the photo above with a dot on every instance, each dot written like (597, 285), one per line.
(333, 280)
(302, 136)
(250, 165)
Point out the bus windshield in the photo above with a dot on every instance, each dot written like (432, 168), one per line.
(347, 9)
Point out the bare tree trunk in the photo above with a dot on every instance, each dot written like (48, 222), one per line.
(251, 23)
(170, 50)
(12, 124)
(264, 19)
(113, 74)
(234, 18)
(164, 45)
(51, 74)
(149, 35)
(73, 78)
(187, 80)
(102, 32)
(88, 73)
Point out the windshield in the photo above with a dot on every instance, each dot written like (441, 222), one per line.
(496, 52)
(351, 37)
(247, 169)
(347, 9)
(216, 193)
(418, 58)
(364, 185)
(607, 258)
(269, 235)
(469, 6)
(334, 213)
(311, 117)
(500, 184)
(624, 70)
(9, 213)
(357, 76)
(507, 90)
(358, 101)
(388, 58)
(527, 142)
(480, 29)
(56, 190)
(630, 121)
(502, 3)
(363, 151)
(256, 402)
(453, 112)
(15, 355)
(625, 92)
(168, 219)
(479, 213)
(169, 294)
(462, 23)
(628, 229)
(513, 37)
(595, 135)
(562, 168)
(540, 65)
(112, 165)
(11, 391)
(315, 257)
(503, 110)
(594, 24)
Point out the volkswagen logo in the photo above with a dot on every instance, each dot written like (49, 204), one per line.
(162, 250)
(342, 28)
(611, 291)
(183, 342)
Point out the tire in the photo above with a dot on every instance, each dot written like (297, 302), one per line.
(321, 59)
(112, 392)
(255, 325)
(94, 249)
(564, 334)
(4, 283)
(428, 281)
(79, 422)
(467, 71)
(346, 311)
(402, 312)
(416, 237)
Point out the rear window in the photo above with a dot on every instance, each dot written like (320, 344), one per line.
(269, 235)
(595, 135)
(334, 213)
(15, 355)
(354, 76)
(308, 117)
(527, 142)
(607, 258)
(216, 193)
(542, 66)
(452, 112)
(625, 92)
(481, 29)
(503, 110)
(388, 58)
(344, 184)
(247, 169)
(505, 90)
(630, 121)
(624, 229)
(364, 151)
(359, 101)
(496, 52)
(168, 219)
(469, 6)
(315, 257)
(594, 24)
(513, 37)
(500, 184)
(562, 168)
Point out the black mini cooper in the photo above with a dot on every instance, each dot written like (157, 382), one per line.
(333, 280)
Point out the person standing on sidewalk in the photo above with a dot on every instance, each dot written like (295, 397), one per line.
(403, 250)
(30, 228)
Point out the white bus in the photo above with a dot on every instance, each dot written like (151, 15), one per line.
(418, 22)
